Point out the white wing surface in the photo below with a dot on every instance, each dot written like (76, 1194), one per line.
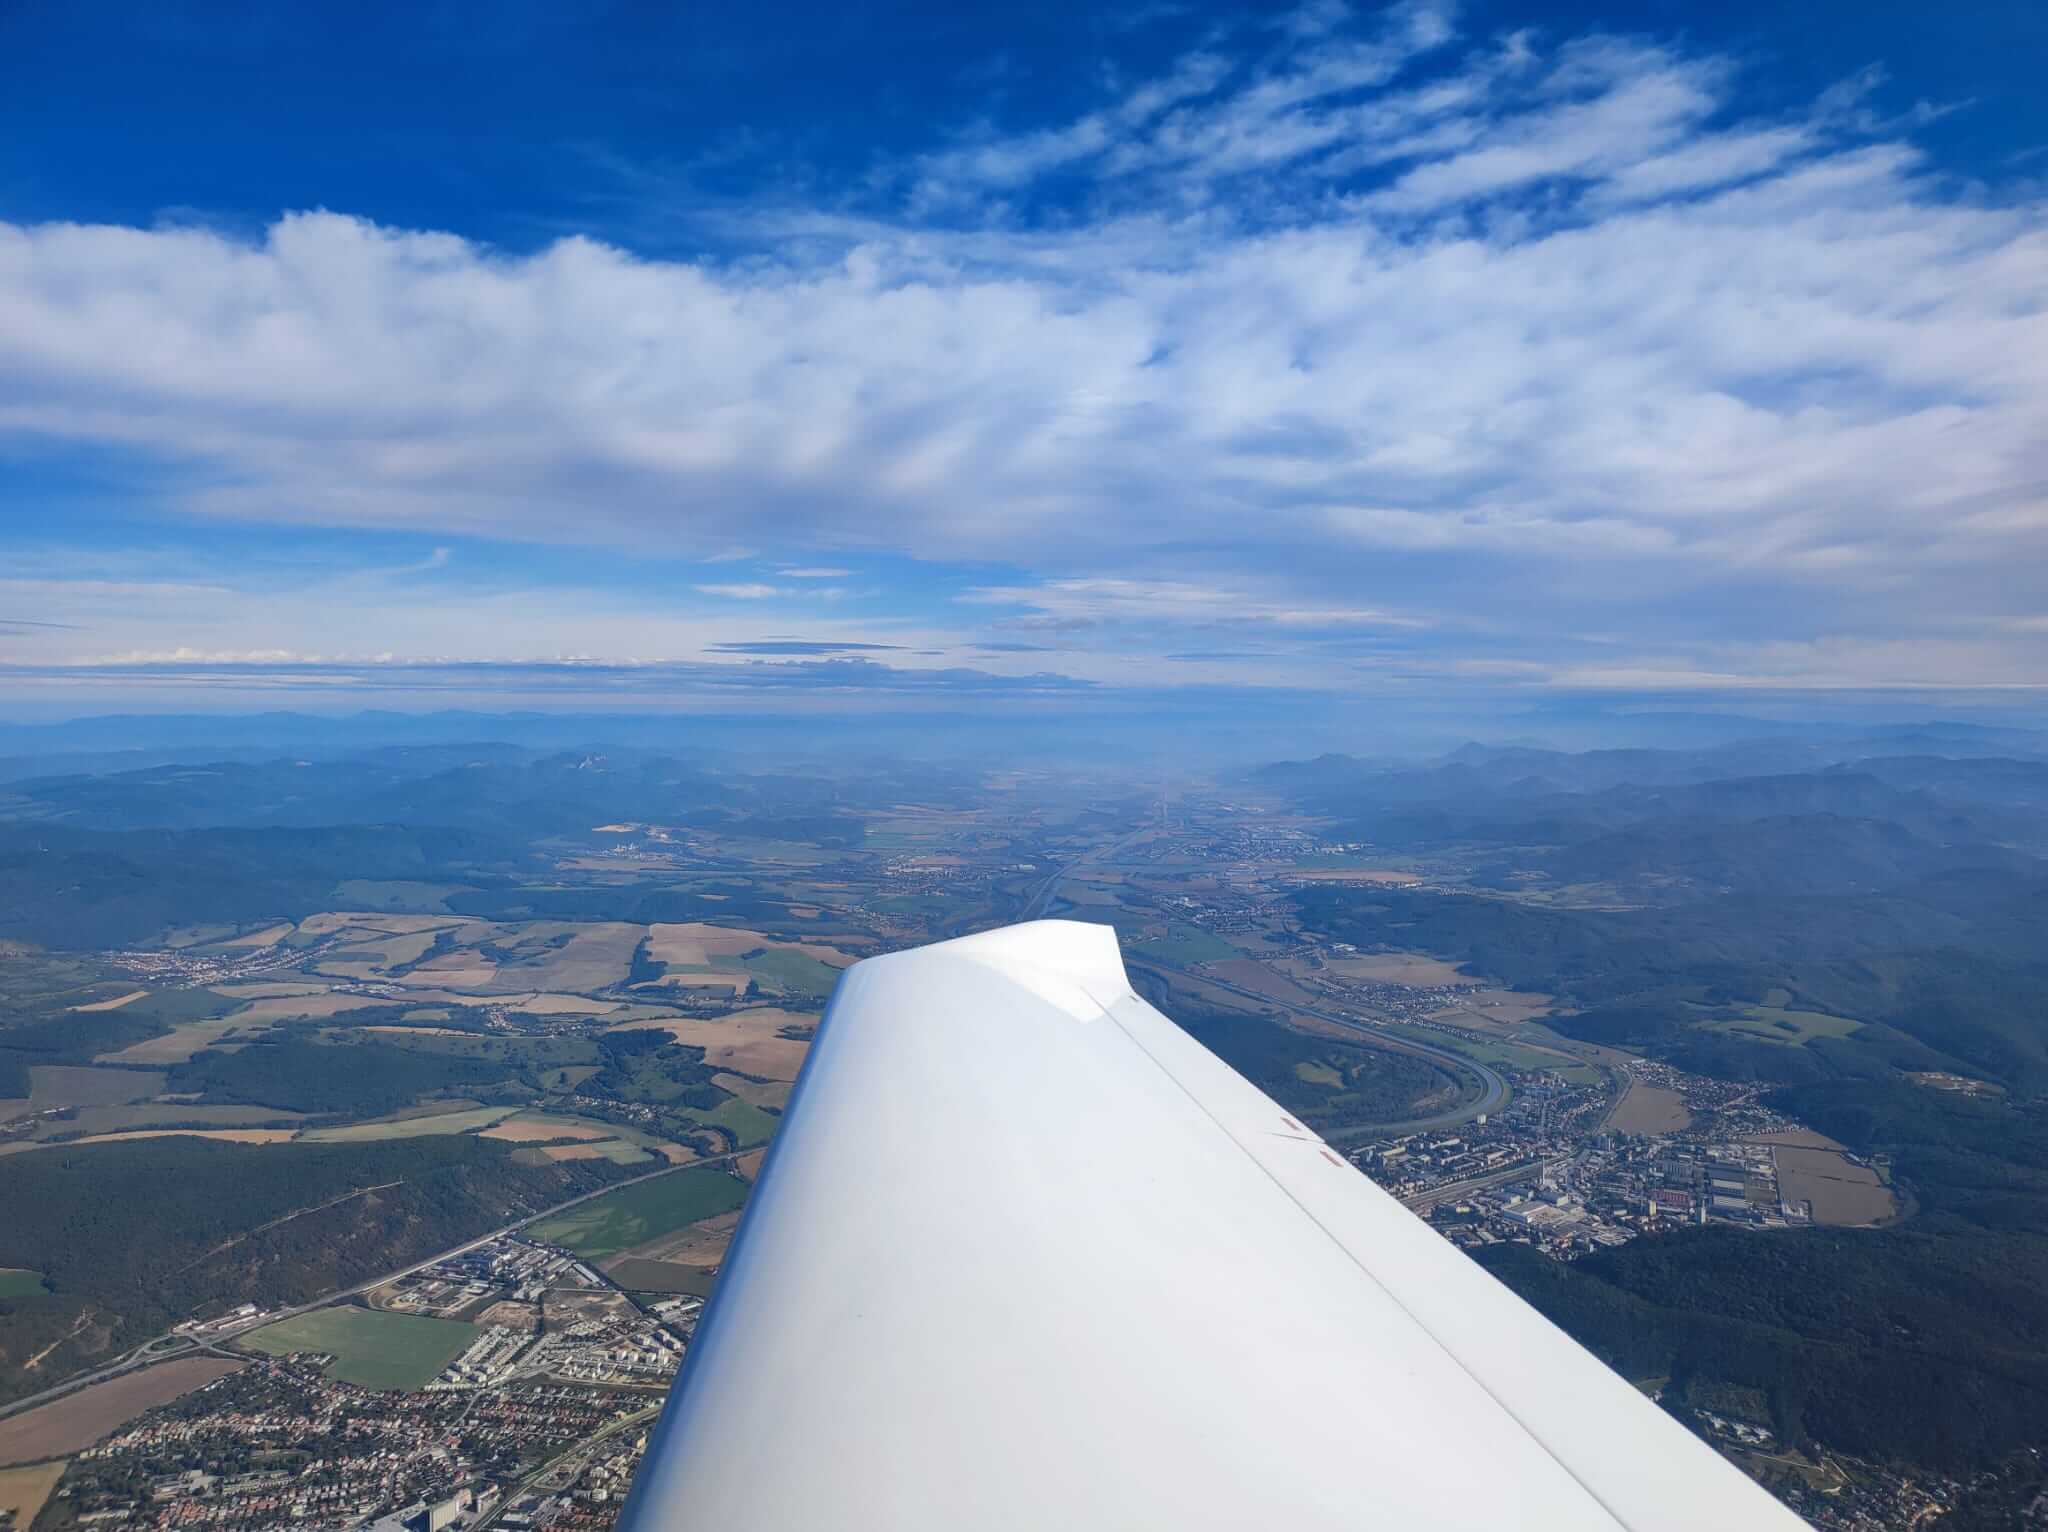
(1025, 1255)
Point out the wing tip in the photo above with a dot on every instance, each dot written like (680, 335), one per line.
(1074, 964)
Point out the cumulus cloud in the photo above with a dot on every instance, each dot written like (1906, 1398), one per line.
(1383, 326)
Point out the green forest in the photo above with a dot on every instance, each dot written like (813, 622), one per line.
(1924, 1343)
(134, 1236)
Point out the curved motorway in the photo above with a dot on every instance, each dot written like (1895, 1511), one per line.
(1493, 1097)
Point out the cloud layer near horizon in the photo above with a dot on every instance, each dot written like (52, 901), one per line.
(1543, 349)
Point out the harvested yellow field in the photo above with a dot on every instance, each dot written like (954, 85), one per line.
(434, 996)
(1814, 1169)
(24, 1491)
(567, 957)
(748, 1166)
(697, 945)
(747, 1042)
(298, 1007)
(180, 1043)
(225, 1135)
(114, 1004)
(1495, 1007)
(451, 970)
(1413, 968)
(1650, 1109)
(593, 1139)
(616, 1150)
(376, 958)
(732, 982)
(1839, 1192)
(77, 1420)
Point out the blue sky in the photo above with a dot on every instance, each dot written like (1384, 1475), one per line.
(1351, 358)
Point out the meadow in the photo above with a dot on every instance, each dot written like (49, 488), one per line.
(370, 1348)
(412, 1126)
(633, 1215)
(1775, 1024)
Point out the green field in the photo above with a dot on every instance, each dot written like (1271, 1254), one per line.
(471, 1120)
(18, 1283)
(750, 1123)
(60, 1085)
(1774, 1024)
(632, 1215)
(795, 972)
(373, 1349)
(515, 1053)
(1183, 945)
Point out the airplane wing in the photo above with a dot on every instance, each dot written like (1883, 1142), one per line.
(1025, 1255)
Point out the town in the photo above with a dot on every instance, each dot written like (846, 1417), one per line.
(538, 1422)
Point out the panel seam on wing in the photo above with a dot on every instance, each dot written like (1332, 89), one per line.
(1457, 1361)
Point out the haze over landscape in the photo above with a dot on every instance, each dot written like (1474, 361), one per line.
(1503, 548)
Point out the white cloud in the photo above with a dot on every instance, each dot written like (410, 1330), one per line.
(1084, 602)
(1517, 329)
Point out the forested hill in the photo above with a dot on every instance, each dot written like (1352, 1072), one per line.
(1901, 900)
(135, 1236)
(1943, 974)
(62, 887)
(1924, 1344)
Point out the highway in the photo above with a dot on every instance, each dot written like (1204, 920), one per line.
(1041, 903)
(174, 1344)
(1494, 1096)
